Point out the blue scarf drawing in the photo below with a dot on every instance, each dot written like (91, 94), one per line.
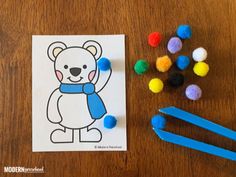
(95, 104)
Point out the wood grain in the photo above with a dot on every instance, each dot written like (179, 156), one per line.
(214, 27)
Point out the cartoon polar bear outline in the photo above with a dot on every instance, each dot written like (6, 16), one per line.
(76, 105)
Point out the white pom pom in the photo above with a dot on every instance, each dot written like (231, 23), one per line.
(199, 54)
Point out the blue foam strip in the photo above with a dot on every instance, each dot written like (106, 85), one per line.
(193, 144)
(198, 121)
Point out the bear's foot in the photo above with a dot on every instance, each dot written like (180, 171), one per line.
(90, 135)
(62, 136)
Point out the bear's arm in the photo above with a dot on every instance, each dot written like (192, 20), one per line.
(103, 79)
(53, 113)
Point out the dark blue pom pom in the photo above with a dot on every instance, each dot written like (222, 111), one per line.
(184, 32)
(104, 64)
(182, 62)
(109, 121)
(158, 122)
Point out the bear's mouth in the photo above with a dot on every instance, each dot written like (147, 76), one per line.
(75, 80)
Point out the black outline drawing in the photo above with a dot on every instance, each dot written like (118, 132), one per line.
(87, 131)
(72, 135)
(48, 53)
(96, 76)
(95, 48)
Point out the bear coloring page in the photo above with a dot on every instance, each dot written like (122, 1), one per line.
(72, 93)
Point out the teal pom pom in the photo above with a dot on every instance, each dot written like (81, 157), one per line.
(182, 62)
(141, 66)
(158, 122)
(109, 121)
(104, 64)
(184, 32)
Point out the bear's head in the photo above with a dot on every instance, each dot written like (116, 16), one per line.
(75, 65)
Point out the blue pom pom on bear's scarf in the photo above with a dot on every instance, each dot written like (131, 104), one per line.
(95, 104)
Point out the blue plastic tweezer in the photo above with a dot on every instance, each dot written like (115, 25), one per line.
(194, 144)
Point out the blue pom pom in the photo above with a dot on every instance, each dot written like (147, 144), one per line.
(182, 62)
(104, 64)
(158, 122)
(184, 32)
(109, 122)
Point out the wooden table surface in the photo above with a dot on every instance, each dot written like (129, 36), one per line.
(214, 27)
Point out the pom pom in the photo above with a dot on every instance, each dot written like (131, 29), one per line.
(182, 62)
(104, 64)
(184, 31)
(176, 79)
(199, 54)
(156, 85)
(141, 66)
(174, 45)
(158, 122)
(163, 64)
(154, 39)
(193, 92)
(109, 121)
(201, 69)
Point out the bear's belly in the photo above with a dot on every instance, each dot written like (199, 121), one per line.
(74, 111)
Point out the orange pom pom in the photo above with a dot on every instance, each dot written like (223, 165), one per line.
(163, 64)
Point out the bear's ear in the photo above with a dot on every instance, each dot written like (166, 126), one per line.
(94, 48)
(54, 49)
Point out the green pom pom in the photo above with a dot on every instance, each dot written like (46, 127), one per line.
(141, 66)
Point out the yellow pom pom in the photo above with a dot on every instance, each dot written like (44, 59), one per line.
(163, 64)
(156, 85)
(201, 69)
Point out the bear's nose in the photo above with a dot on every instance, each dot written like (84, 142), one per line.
(75, 71)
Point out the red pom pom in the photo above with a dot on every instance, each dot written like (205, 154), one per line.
(154, 39)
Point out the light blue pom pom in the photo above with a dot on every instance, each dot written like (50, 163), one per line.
(182, 62)
(193, 92)
(184, 32)
(158, 122)
(109, 121)
(104, 64)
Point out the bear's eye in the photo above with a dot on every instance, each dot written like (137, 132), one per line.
(84, 66)
(66, 66)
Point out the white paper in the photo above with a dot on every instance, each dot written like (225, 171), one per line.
(51, 115)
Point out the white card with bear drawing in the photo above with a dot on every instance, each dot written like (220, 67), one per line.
(72, 94)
